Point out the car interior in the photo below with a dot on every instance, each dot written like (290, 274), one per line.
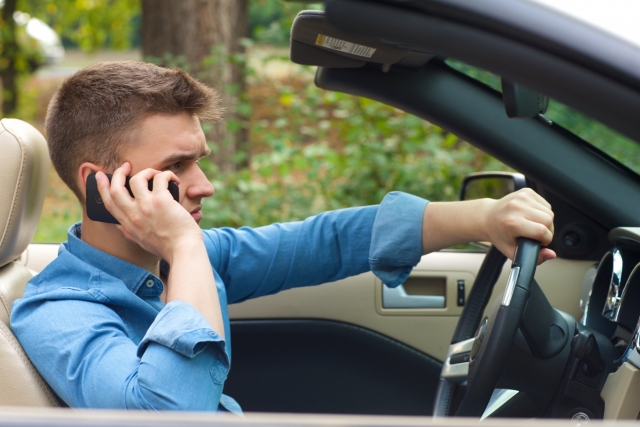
(24, 177)
(469, 333)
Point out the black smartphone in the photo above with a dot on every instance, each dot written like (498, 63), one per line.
(96, 211)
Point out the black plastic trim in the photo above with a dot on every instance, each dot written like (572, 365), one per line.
(544, 28)
(322, 366)
(600, 96)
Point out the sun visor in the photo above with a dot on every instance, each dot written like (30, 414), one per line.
(315, 42)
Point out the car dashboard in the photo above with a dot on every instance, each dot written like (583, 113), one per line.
(612, 307)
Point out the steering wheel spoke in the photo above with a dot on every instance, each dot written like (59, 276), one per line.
(456, 365)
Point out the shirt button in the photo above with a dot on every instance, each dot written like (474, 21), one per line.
(149, 283)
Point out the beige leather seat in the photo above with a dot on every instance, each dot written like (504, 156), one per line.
(24, 170)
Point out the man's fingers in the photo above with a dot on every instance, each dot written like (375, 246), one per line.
(118, 192)
(529, 193)
(139, 183)
(104, 188)
(161, 181)
(530, 216)
(119, 176)
(537, 231)
(540, 217)
(546, 254)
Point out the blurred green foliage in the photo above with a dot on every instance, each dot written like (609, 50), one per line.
(315, 150)
(30, 55)
(270, 20)
(53, 228)
(612, 143)
(89, 24)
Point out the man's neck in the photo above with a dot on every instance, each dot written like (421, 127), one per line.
(109, 239)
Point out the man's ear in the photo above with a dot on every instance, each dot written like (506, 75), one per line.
(83, 172)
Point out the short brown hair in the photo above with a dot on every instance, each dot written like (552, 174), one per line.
(99, 109)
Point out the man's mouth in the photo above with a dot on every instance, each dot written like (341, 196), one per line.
(196, 214)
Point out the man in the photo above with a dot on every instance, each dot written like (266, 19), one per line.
(135, 315)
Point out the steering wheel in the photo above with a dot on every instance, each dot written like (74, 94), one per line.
(478, 360)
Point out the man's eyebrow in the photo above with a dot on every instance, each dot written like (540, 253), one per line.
(180, 157)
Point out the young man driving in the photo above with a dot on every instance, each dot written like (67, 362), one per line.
(134, 316)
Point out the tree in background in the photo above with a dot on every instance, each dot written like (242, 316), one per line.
(91, 25)
(205, 38)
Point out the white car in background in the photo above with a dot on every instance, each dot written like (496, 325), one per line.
(47, 40)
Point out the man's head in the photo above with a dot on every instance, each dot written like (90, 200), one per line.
(99, 112)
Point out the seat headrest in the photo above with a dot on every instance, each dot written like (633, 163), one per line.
(24, 171)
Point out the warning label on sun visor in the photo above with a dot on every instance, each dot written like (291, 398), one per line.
(344, 46)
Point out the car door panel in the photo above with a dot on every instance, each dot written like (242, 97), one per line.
(358, 300)
(320, 366)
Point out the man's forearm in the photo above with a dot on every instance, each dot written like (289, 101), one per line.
(191, 280)
(446, 224)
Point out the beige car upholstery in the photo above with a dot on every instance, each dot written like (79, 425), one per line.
(24, 171)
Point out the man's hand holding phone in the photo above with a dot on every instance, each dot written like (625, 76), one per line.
(96, 210)
(151, 218)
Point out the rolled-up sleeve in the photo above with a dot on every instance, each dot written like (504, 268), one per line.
(396, 241)
(181, 364)
(182, 328)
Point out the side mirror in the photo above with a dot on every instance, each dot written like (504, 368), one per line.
(494, 185)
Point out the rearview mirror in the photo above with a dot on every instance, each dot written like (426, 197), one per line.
(493, 185)
(521, 102)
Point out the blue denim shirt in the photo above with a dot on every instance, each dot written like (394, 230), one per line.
(95, 328)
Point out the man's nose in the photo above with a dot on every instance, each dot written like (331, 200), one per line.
(201, 187)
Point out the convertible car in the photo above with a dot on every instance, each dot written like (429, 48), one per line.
(551, 89)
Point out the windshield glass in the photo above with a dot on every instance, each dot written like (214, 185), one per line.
(610, 142)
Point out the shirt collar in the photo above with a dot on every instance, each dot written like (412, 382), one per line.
(131, 275)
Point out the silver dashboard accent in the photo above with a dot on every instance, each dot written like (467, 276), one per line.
(632, 233)
(457, 372)
(587, 285)
(612, 304)
(499, 397)
(632, 353)
(602, 278)
(511, 285)
(580, 417)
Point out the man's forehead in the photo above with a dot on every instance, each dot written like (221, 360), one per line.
(169, 137)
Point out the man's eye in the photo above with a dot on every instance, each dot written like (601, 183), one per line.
(174, 167)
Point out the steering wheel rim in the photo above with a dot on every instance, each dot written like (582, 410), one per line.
(488, 350)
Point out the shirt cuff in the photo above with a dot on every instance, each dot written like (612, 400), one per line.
(396, 241)
(182, 328)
